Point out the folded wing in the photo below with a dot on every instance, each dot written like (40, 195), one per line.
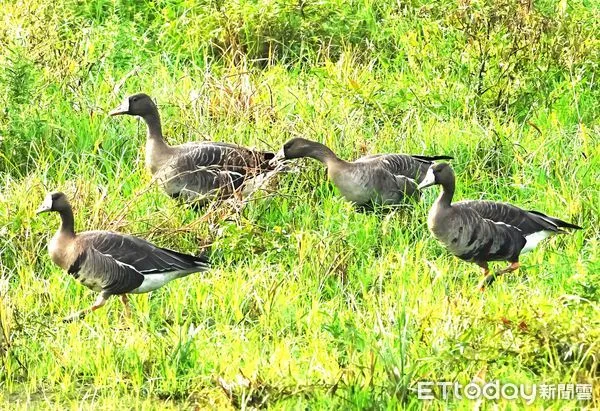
(143, 256)
(528, 222)
(104, 273)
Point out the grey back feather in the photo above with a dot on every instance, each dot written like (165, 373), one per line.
(226, 155)
(142, 255)
(200, 171)
(526, 221)
(409, 166)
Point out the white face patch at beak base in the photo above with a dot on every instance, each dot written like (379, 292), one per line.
(46, 205)
(429, 179)
(121, 109)
(280, 155)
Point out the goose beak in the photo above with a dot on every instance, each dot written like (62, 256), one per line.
(45, 207)
(277, 159)
(429, 179)
(41, 210)
(123, 108)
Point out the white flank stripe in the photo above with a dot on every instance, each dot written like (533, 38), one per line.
(504, 224)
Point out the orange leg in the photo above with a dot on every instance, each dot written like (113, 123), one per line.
(484, 265)
(490, 278)
(487, 279)
(100, 301)
(125, 302)
(512, 267)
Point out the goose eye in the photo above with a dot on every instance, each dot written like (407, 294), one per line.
(134, 99)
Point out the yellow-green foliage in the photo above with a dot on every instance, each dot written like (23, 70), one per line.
(310, 304)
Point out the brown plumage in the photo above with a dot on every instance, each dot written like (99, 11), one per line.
(382, 179)
(483, 231)
(196, 172)
(113, 263)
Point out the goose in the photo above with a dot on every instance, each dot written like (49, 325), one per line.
(196, 172)
(380, 179)
(112, 263)
(481, 231)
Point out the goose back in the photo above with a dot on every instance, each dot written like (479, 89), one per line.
(142, 255)
(184, 178)
(411, 166)
(368, 182)
(104, 273)
(528, 222)
(228, 156)
(199, 172)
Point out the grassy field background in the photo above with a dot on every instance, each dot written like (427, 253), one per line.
(309, 304)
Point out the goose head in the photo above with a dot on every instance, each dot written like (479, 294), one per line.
(297, 148)
(438, 173)
(55, 201)
(139, 104)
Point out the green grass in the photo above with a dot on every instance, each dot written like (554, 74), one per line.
(310, 304)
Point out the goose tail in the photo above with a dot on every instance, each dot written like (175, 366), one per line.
(189, 263)
(433, 158)
(557, 222)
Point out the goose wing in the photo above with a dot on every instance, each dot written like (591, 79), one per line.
(104, 273)
(141, 255)
(211, 169)
(472, 237)
(193, 176)
(528, 222)
(380, 186)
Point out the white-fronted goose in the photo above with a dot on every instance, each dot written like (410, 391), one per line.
(196, 172)
(383, 179)
(112, 263)
(481, 231)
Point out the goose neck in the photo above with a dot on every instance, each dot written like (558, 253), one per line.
(67, 221)
(324, 154)
(154, 126)
(445, 198)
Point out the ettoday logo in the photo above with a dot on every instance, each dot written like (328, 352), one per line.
(495, 390)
